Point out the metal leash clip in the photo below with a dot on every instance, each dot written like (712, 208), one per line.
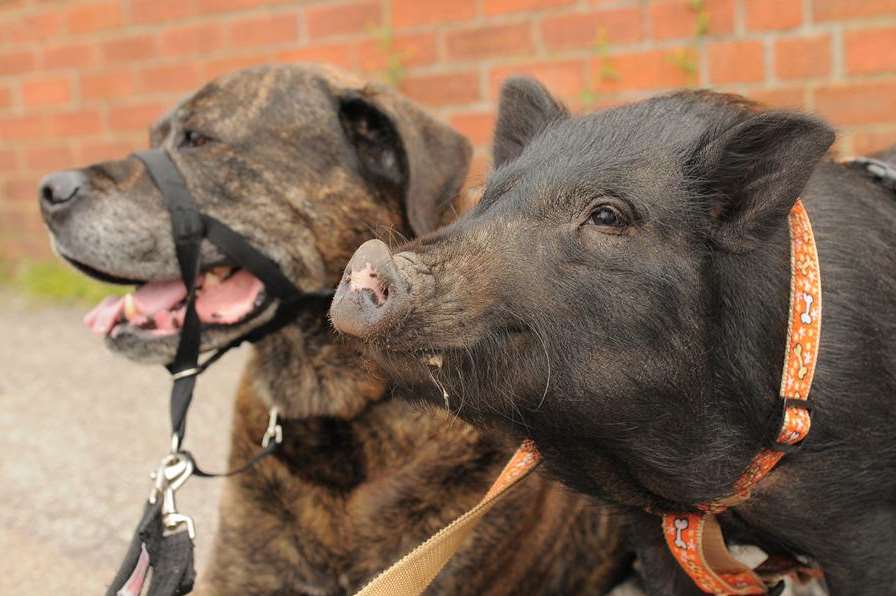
(274, 431)
(173, 472)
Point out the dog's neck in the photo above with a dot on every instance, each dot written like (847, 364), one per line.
(306, 371)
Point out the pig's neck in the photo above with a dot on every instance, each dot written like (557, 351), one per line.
(746, 345)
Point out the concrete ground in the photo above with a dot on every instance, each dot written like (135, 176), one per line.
(80, 430)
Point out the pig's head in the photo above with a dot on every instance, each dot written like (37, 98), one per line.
(608, 295)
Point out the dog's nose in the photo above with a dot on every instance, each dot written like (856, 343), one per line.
(59, 188)
(372, 294)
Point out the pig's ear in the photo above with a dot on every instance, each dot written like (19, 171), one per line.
(754, 172)
(525, 109)
(406, 152)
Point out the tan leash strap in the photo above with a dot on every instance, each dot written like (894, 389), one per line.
(413, 573)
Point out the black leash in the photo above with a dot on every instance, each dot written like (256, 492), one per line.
(163, 541)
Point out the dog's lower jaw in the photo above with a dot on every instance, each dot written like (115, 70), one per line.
(306, 371)
(161, 350)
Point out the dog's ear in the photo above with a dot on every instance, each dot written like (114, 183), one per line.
(408, 152)
(524, 110)
(754, 172)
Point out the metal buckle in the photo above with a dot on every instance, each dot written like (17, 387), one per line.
(188, 372)
(274, 431)
(173, 471)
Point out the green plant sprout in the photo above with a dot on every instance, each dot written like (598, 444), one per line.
(395, 70)
(600, 48)
(685, 59)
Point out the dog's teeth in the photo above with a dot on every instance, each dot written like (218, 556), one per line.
(130, 307)
(211, 279)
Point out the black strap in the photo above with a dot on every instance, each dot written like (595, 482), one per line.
(171, 556)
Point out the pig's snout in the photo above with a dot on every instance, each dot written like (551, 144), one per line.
(372, 294)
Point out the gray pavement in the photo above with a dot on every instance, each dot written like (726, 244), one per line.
(80, 430)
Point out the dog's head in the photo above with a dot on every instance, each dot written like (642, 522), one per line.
(304, 162)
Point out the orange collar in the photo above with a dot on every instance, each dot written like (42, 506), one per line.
(695, 539)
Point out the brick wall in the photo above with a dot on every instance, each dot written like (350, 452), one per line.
(80, 80)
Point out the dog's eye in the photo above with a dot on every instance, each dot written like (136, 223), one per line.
(194, 139)
(607, 216)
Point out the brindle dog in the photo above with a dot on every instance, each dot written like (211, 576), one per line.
(307, 163)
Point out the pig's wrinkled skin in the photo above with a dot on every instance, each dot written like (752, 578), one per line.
(620, 295)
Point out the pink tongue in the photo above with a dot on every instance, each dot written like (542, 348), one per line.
(227, 302)
(103, 317)
(159, 295)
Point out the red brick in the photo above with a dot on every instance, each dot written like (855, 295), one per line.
(583, 30)
(265, 31)
(653, 69)
(489, 42)
(36, 28)
(478, 127)
(87, 18)
(21, 188)
(215, 6)
(773, 14)
(156, 11)
(442, 89)
(864, 103)
(803, 57)
(414, 13)
(76, 123)
(342, 19)
(47, 159)
(793, 98)
(90, 153)
(865, 142)
(215, 68)
(736, 62)
(412, 50)
(74, 55)
(8, 160)
(129, 49)
(496, 7)
(5, 98)
(675, 19)
(17, 62)
(870, 50)
(23, 128)
(342, 55)
(51, 91)
(565, 79)
(171, 78)
(838, 10)
(135, 117)
(480, 167)
(191, 40)
(110, 84)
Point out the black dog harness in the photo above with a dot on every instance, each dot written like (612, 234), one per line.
(163, 541)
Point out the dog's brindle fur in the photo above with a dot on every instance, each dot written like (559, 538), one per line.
(307, 163)
(642, 256)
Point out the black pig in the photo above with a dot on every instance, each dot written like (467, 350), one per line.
(620, 295)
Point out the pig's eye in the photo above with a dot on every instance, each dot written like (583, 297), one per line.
(607, 216)
(193, 138)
